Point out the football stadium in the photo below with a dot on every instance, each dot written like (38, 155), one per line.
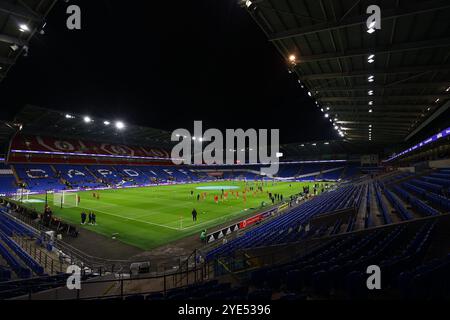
(104, 197)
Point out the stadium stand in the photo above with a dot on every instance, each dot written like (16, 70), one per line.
(38, 177)
(7, 180)
(77, 176)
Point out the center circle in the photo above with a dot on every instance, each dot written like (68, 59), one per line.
(217, 188)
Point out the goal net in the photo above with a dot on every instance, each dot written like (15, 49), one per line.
(65, 199)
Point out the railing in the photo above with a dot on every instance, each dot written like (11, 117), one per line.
(120, 285)
(246, 260)
(49, 263)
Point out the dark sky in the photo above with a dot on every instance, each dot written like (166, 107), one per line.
(164, 64)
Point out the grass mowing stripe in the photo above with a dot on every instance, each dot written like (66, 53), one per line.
(149, 217)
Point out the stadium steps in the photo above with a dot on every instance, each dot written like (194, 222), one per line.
(343, 173)
(19, 262)
(376, 215)
(16, 176)
(394, 217)
(92, 174)
(60, 178)
(361, 214)
(48, 260)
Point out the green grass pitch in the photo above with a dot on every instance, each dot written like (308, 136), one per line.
(149, 217)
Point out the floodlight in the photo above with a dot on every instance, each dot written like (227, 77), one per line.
(120, 125)
(23, 27)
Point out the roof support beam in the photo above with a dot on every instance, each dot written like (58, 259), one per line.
(377, 115)
(396, 48)
(19, 11)
(6, 61)
(384, 98)
(365, 124)
(12, 40)
(436, 114)
(416, 85)
(420, 8)
(378, 106)
(364, 73)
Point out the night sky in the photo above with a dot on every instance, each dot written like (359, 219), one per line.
(164, 64)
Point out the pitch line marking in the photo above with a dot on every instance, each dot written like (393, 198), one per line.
(128, 218)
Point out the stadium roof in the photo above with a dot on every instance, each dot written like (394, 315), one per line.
(32, 120)
(41, 121)
(333, 149)
(326, 43)
(19, 22)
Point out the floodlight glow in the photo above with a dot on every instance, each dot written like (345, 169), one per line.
(248, 3)
(437, 100)
(106, 123)
(371, 57)
(309, 94)
(370, 103)
(336, 127)
(120, 125)
(371, 30)
(87, 119)
(292, 58)
(370, 110)
(23, 27)
(370, 92)
(447, 90)
(370, 61)
(326, 115)
(69, 116)
(326, 143)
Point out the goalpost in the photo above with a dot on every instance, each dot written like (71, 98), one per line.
(21, 195)
(65, 199)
